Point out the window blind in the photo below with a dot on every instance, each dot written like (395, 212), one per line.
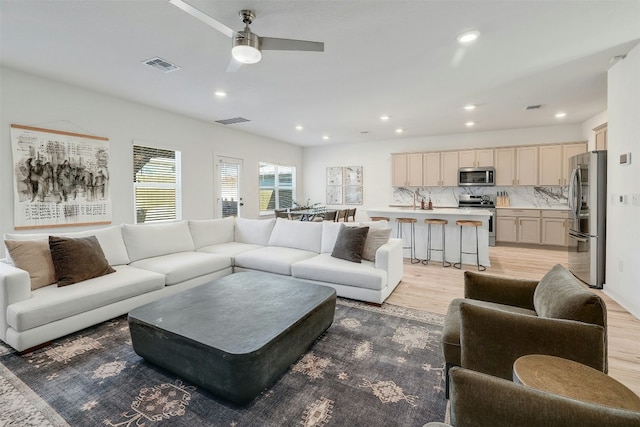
(277, 186)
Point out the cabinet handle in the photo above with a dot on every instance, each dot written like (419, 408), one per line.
(559, 180)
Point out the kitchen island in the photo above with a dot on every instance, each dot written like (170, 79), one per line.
(452, 232)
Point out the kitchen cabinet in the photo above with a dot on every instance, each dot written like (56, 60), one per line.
(601, 136)
(406, 170)
(440, 169)
(518, 226)
(516, 166)
(553, 165)
(475, 158)
(555, 227)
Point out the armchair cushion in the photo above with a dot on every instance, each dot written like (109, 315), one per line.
(559, 296)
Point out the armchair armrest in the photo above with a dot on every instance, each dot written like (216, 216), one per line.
(491, 340)
(15, 285)
(389, 259)
(481, 400)
(501, 290)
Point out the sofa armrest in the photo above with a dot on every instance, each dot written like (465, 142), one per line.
(15, 285)
(481, 400)
(501, 290)
(389, 259)
(491, 340)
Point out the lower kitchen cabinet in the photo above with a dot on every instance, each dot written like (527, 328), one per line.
(555, 227)
(518, 226)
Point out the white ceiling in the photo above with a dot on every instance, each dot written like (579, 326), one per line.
(381, 57)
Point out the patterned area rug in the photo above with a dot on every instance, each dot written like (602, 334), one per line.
(375, 366)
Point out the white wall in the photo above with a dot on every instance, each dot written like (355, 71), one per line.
(589, 125)
(36, 101)
(376, 157)
(623, 220)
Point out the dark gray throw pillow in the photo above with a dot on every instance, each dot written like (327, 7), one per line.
(350, 243)
(75, 260)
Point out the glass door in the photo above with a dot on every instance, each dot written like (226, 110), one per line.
(228, 190)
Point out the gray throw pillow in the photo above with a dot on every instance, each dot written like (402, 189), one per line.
(77, 259)
(350, 243)
(375, 239)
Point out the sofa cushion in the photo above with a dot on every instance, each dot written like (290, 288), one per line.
(325, 268)
(152, 240)
(182, 266)
(231, 249)
(330, 231)
(34, 257)
(303, 235)
(560, 295)
(273, 259)
(254, 231)
(110, 239)
(51, 303)
(77, 259)
(209, 232)
(350, 243)
(375, 239)
(451, 333)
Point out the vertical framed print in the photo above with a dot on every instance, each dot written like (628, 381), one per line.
(334, 194)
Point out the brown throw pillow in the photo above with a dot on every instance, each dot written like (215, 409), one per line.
(350, 243)
(34, 257)
(77, 259)
(375, 239)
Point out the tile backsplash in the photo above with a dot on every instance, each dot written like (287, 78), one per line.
(550, 197)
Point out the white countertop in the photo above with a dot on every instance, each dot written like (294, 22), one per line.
(432, 212)
(554, 208)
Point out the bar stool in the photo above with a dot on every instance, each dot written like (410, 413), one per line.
(379, 218)
(411, 222)
(434, 221)
(469, 223)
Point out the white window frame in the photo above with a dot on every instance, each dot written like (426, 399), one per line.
(276, 186)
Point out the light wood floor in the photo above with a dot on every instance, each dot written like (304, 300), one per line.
(432, 287)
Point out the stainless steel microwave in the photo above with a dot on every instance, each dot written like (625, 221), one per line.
(469, 177)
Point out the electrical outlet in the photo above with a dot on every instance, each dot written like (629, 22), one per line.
(635, 200)
(623, 199)
(614, 199)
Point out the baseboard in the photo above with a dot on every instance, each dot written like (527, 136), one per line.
(635, 311)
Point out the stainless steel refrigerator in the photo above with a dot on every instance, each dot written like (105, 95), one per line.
(588, 207)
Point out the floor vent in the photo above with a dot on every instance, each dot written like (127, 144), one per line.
(533, 107)
(161, 64)
(232, 121)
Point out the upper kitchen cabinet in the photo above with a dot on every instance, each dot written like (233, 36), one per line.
(406, 170)
(475, 158)
(553, 167)
(601, 136)
(516, 166)
(440, 169)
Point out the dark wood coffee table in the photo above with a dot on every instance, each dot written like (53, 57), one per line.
(574, 380)
(234, 336)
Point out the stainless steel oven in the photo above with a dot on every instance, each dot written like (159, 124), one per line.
(470, 201)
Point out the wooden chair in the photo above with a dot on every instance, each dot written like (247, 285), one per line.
(341, 215)
(330, 215)
(351, 213)
(282, 213)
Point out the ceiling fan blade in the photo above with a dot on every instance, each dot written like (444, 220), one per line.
(196, 13)
(270, 43)
(233, 65)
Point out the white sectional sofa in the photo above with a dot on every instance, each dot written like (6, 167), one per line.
(152, 261)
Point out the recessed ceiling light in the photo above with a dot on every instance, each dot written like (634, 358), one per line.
(468, 37)
(299, 127)
(220, 93)
(469, 124)
(385, 117)
(325, 137)
(399, 130)
(560, 115)
(469, 107)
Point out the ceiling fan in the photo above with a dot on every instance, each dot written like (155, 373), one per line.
(247, 46)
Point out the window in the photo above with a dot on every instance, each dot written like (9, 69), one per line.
(277, 186)
(157, 184)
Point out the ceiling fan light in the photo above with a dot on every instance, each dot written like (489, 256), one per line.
(246, 54)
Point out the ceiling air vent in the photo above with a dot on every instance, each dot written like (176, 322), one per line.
(161, 64)
(232, 121)
(533, 107)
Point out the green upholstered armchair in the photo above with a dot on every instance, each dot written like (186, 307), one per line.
(480, 400)
(501, 319)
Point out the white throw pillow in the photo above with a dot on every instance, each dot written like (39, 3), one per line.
(110, 239)
(151, 240)
(254, 231)
(304, 235)
(209, 232)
